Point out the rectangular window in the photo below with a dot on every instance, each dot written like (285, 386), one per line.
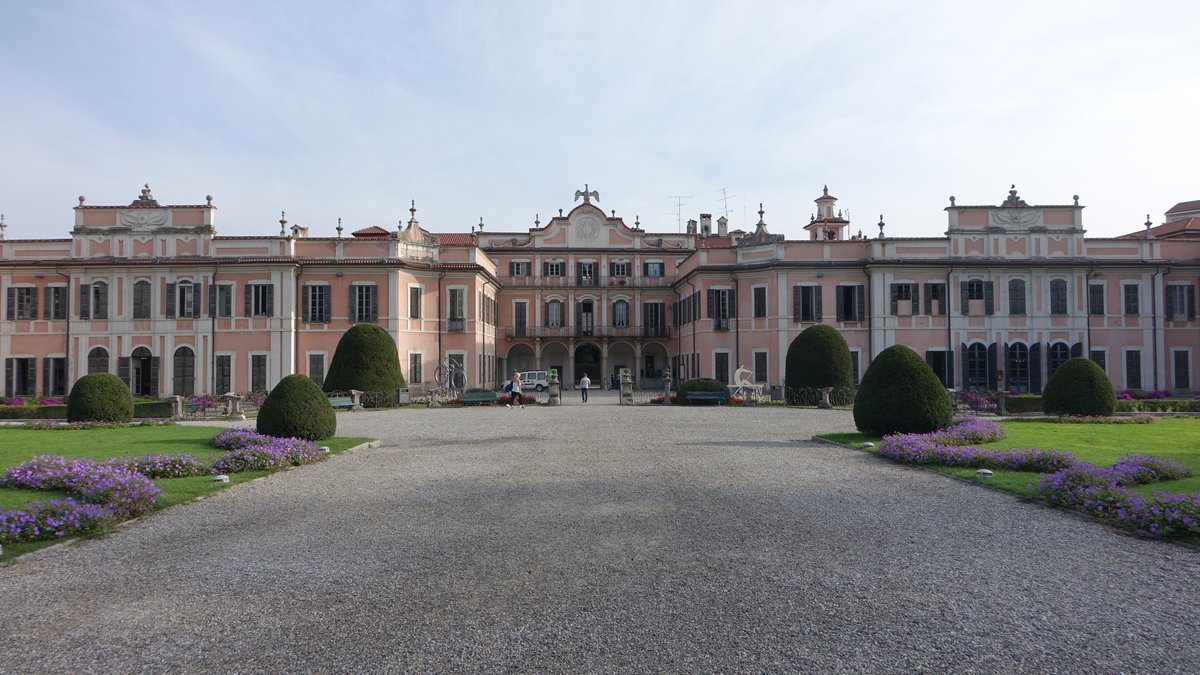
(316, 368)
(20, 377)
(851, 303)
(22, 302)
(904, 300)
(316, 303)
(619, 268)
(458, 309)
(1096, 299)
(220, 300)
(1183, 370)
(760, 302)
(416, 376)
(1058, 297)
(1181, 302)
(721, 367)
(1098, 356)
(935, 298)
(258, 372)
(363, 303)
(1016, 297)
(653, 269)
(975, 289)
(1133, 369)
(1132, 294)
(56, 302)
(552, 269)
(719, 307)
(260, 300)
(518, 268)
(223, 377)
(54, 376)
(414, 301)
(806, 304)
(760, 366)
(585, 273)
(142, 294)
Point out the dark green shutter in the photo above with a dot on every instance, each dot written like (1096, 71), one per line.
(989, 298)
(992, 354)
(248, 294)
(353, 313)
(11, 312)
(85, 301)
(860, 305)
(375, 304)
(46, 376)
(170, 301)
(965, 296)
(123, 369)
(270, 299)
(840, 297)
(212, 299)
(154, 376)
(1035, 368)
(817, 292)
(895, 302)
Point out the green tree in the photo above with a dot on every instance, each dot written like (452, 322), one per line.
(297, 408)
(366, 359)
(900, 394)
(101, 397)
(818, 357)
(1079, 387)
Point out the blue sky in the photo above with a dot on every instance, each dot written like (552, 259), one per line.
(502, 110)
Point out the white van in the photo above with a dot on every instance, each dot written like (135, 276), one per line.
(531, 380)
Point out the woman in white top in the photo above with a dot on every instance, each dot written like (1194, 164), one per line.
(516, 391)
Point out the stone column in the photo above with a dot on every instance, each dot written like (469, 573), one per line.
(233, 406)
(825, 392)
(555, 389)
(177, 407)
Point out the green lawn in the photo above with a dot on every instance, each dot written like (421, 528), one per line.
(1175, 438)
(18, 445)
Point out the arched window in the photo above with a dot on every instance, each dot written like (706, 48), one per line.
(1017, 367)
(1059, 354)
(98, 360)
(621, 313)
(184, 372)
(554, 313)
(976, 377)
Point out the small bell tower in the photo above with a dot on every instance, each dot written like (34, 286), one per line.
(827, 224)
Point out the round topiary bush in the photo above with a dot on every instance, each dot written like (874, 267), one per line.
(818, 357)
(900, 394)
(700, 384)
(365, 359)
(100, 397)
(1079, 387)
(297, 408)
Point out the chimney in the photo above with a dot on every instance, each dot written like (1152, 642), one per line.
(691, 228)
(722, 226)
(705, 224)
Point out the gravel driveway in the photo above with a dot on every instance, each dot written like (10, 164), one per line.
(601, 538)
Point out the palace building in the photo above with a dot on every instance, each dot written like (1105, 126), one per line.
(998, 300)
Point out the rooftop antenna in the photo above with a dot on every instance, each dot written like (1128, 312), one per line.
(679, 210)
(725, 197)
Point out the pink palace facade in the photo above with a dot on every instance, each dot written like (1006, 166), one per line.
(150, 293)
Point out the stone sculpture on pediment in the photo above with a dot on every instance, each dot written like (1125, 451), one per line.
(143, 219)
(1016, 218)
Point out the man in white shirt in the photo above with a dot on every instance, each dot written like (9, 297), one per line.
(584, 383)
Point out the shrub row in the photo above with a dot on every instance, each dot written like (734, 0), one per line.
(142, 410)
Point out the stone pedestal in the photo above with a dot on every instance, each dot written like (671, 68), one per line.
(177, 407)
(626, 387)
(355, 394)
(555, 393)
(233, 406)
(1002, 404)
(825, 392)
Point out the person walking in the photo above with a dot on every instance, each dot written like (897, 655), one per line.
(515, 399)
(584, 383)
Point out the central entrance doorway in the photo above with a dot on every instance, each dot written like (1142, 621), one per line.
(587, 360)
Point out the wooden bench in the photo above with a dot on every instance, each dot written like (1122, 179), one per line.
(718, 396)
(468, 397)
(191, 408)
(341, 401)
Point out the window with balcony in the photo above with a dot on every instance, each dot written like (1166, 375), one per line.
(585, 273)
(721, 308)
(554, 313)
(458, 309)
(621, 313)
(618, 268)
(653, 269)
(518, 268)
(552, 269)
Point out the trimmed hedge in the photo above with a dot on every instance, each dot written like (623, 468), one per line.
(142, 410)
(1159, 405)
(366, 359)
(700, 384)
(297, 408)
(1023, 403)
(818, 357)
(900, 394)
(1079, 387)
(100, 397)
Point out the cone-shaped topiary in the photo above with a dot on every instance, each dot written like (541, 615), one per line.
(297, 407)
(818, 357)
(900, 394)
(1079, 387)
(365, 359)
(100, 397)
(700, 384)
